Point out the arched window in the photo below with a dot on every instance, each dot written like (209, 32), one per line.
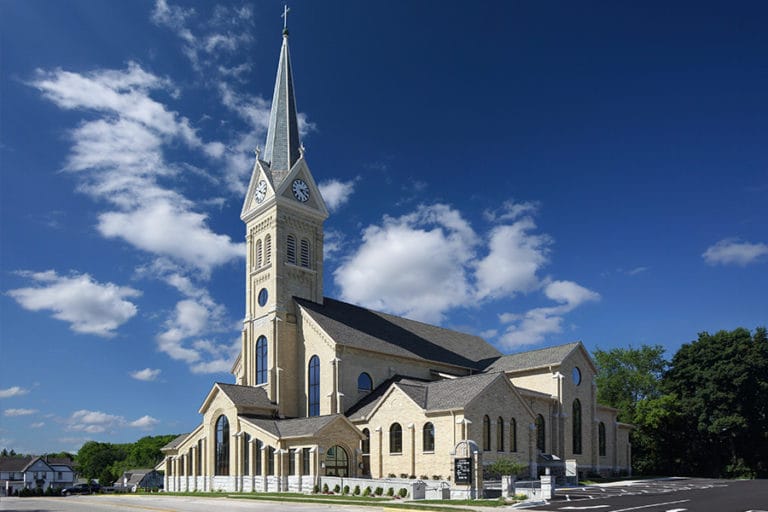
(395, 438)
(271, 460)
(336, 462)
(541, 434)
(261, 360)
(267, 249)
(428, 437)
(257, 459)
(199, 456)
(365, 444)
(364, 382)
(576, 426)
(290, 246)
(512, 435)
(305, 253)
(222, 446)
(499, 434)
(259, 254)
(246, 454)
(486, 433)
(601, 439)
(314, 386)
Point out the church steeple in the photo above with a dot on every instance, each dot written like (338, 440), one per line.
(283, 148)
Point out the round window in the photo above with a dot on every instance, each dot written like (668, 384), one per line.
(263, 296)
(576, 375)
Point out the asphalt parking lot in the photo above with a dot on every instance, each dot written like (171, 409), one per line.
(666, 495)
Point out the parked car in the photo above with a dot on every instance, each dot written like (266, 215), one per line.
(80, 489)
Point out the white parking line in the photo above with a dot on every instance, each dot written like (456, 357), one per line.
(652, 505)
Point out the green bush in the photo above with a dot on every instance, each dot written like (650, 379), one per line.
(403, 492)
(504, 467)
(379, 491)
(336, 489)
(356, 492)
(325, 488)
(367, 491)
(346, 489)
(390, 492)
(316, 489)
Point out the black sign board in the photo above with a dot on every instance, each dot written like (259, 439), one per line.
(463, 471)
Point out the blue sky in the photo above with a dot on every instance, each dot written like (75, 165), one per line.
(534, 172)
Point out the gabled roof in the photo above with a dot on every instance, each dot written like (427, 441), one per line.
(550, 356)
(242, 397)
(365, 329)
(294, 427)
(175, 443)
(14, 464)
(437, 395)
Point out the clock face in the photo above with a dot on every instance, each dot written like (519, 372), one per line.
(261, 191)
(300, 190)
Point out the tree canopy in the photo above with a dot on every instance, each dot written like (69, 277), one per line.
(105, 462)
(703, 413)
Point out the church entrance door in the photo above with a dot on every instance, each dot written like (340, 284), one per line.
(336, 462)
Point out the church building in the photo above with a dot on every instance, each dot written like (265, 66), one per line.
(324, 388)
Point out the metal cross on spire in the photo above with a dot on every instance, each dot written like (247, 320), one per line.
(286, 10)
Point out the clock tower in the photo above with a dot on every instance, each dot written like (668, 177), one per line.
(283, 214)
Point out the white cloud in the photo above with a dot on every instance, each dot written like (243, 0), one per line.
(731, 251)
(333, 243)
(96, 422)
(13, 391)
(39, 424)
(147, 374)
(90, 307)
(19, 412)
(164, 229)
(533, 326)
(118, 158)
(336, 193)
(414, 265)
(514, 257)
(145, 423)
(430, 261)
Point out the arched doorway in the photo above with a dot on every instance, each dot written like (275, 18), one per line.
(336, 461)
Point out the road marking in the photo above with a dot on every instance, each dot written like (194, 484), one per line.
(677, 510)
(584, 508)
(652, 505)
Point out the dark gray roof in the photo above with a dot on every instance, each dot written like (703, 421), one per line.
(246, 396)
(175, 443)
(365, 329)
(533, 358)
(294, 427)
(429, 395)
(14, 464)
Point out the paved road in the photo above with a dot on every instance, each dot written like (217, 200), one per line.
(164, 504)
(674, 495)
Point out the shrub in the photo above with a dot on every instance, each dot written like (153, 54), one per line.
(356, 492)
(521, 497)
(336, 488)
(437, 477)
(391, 475)
(403, 475)
(424, 477)
(504, 467)
(403, 492)
(316, 489)
(390, 491)
(367, 491)
(379, 491)
(346, 489)
(325, 488)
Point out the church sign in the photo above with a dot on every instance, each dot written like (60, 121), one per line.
(463, 470)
